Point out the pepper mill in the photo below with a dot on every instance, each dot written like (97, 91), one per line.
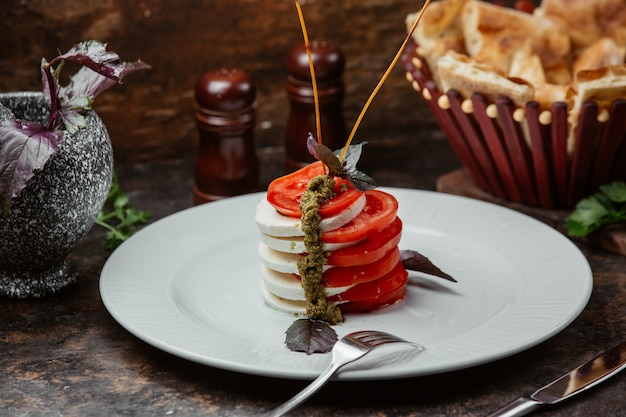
(328, 62)
(226, 160)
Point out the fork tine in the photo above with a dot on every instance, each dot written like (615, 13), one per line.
(375, 338)
(368, 334)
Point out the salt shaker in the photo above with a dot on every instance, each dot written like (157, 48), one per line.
(226, 160)
(328, 61)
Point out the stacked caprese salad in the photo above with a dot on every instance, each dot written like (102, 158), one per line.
(360, 232)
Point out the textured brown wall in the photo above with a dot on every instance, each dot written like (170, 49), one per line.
(152, 114)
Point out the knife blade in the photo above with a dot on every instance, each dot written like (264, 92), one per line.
(580, 379)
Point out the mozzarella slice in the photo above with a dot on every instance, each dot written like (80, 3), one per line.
(272, 223)
(297, 308)
(281, 261)
(289, 286)
(295, 244)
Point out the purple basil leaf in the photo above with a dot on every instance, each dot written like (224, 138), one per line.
(89, 84)
(322, 153)
(358, 179)
(93, 55)
(126, 68)
(24, 148)
(310, 336)
(352, 156)
(361, 181)
(311, 144)
(85, 83)
(92, 50)
(417, 262)
(347, 168)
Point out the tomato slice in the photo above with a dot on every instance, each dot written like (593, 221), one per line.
(374, 294)
(284, 193)
(340, 276)
(370, 249)
(363, 306)
(380, 210)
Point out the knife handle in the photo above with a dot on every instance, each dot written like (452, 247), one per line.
(519, 407)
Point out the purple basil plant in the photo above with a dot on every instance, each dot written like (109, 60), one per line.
(26, 146)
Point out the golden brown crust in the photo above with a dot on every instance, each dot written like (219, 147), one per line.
(602, 85)
(547, 94)
(587, 20)
(604, 52)
(569, 51)
(439, 30)
(468, 76)
(527, 65)
(485, 23)
(439, 17)
(498, 51)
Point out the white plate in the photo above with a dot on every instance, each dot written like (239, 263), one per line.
(189, 284)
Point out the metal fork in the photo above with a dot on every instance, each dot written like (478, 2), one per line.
(347, 350)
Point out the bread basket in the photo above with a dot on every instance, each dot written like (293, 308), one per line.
(521, 153)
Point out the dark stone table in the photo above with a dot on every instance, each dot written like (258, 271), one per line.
(66, 356)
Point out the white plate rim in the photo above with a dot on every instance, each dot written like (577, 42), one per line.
(132, 300)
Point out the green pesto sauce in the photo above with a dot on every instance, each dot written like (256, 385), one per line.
(310, 267)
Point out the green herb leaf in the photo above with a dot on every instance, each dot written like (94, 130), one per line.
(310, 336)
(615, 191)
(606, 206)
(415, 261)
(119, 217)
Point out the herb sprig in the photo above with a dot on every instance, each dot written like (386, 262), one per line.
(345, 169)
(119, 216)
(26, 146)
(606, 206)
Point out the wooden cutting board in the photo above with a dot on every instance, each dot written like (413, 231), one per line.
(611, 238)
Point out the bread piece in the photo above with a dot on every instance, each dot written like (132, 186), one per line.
(602, 85)
(560, 73)
(439, 17)
(468, 76)
(501, 51)
(527, 65)
(546, 94)
(485, 24)
(438, 31)
(604, 52)
(586, 21)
